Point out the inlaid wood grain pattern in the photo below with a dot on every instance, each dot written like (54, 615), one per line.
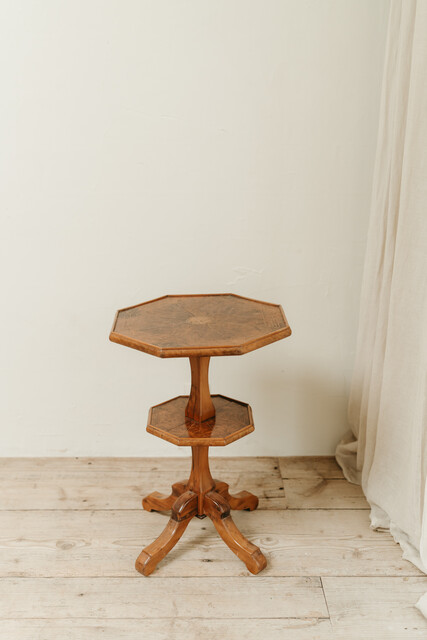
(200, 325)
(232, 420)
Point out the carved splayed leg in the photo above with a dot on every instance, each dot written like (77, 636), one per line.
(243, 500)
(183, 509)
(218, 509)
(159, 502)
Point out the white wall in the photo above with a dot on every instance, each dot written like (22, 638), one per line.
(152, 147)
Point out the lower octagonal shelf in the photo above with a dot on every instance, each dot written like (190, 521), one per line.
(233, 420)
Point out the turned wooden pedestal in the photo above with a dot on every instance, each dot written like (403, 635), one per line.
(200, 327)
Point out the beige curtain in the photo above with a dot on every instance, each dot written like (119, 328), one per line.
(387, 449)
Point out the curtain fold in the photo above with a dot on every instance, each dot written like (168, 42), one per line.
(386, 450)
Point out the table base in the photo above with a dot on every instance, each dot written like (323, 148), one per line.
(200, 496)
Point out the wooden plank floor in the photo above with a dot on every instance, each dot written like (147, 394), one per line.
(71, 528)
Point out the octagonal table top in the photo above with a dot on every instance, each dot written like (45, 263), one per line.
(200, 325)
(233, 420)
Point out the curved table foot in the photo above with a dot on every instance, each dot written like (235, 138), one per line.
(184, 508)
(156, 551)
(217, 508)
(238, 501)
(159, 502)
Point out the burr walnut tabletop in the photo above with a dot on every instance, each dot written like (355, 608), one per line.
(200, 326)
(203, 325)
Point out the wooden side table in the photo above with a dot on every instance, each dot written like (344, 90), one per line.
(198, 327)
